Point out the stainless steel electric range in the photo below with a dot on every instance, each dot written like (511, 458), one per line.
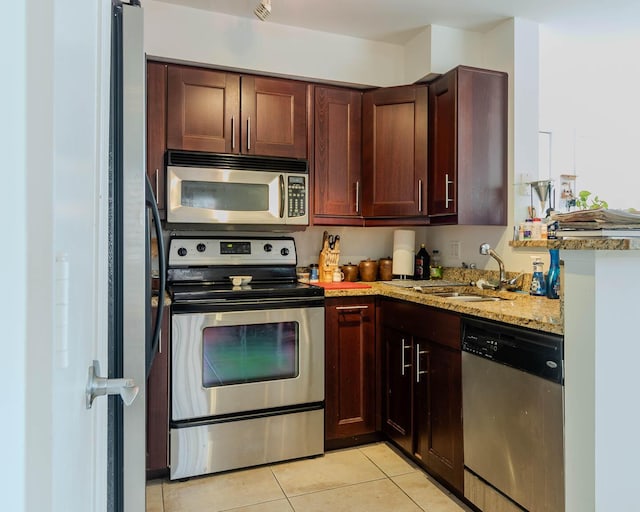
(247, 360)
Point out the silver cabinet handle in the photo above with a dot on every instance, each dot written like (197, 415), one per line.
(418, 354)
(447, 200)
(160, 341)
(248, 134)
(351, 308)
(233, 132)
(420, 196)
(281, 196)
(403, 364)
(98, 386)
(157, 185)
(358, 196)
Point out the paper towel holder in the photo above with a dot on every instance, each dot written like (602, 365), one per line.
(404, 241)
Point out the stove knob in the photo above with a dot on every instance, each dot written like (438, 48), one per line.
(284, 251)
(201, 247)
(267, 247)
(182, 251)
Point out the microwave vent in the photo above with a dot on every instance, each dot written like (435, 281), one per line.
(239, 162)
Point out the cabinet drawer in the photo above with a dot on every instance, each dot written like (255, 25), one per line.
(425, 322)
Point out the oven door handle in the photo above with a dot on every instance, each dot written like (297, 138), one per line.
(162, 270)
(281, 196)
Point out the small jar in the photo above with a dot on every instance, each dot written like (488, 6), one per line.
(314, 276)
(536, 229)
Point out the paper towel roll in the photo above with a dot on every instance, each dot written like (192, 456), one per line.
(404, 243)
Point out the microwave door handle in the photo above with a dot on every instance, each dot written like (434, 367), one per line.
(281, 196)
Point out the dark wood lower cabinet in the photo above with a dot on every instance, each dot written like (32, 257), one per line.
(158, 406)
(350, 359)
(422, 387)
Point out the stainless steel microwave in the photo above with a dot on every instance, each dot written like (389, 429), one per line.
(223, 190)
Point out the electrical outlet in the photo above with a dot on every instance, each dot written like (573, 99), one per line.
(455, 250)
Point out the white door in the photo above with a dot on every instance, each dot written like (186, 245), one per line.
(55, 133)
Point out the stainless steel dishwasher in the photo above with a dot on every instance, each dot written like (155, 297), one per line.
(512, 400)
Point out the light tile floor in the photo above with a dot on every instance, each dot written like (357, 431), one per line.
(371, 478)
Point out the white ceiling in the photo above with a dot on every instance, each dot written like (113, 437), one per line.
(396, 21)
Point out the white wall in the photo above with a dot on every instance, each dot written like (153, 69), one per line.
(13, 307)
(590, 101)
(193, 35)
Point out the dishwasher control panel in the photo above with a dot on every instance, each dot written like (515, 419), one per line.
(534, 352)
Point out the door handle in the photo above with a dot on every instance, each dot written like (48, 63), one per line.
(419, 196)
(418, 354)
(358, 196)
(233, 133)
(248, 134)
(281, 196)
(404, 365)
(447, 200)
(98, 386)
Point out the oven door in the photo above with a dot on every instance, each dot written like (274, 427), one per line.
(230, 362)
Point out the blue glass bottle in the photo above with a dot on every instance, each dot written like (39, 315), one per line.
(553, 276)
(538, 283)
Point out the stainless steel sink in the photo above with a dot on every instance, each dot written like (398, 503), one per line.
(462, 297)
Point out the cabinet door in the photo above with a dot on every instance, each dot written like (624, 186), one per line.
(157, 130)
(442, 131)
(468, 151)
(337, 142)
(158, 405)
(394, 152)
(438, 409)
(274, 117)
(350, 367)
(397, 408)
(203, 110)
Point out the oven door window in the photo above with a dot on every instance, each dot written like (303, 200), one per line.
(241, 354)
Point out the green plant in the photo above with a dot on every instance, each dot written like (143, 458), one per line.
(584, 202)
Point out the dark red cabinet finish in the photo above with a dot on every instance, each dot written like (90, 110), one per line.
(157, 130)
(394, 154)
(337, 185)
(349, 367)
(422, 386)
(468, 147)
(158, 405)
(222, 112)
(203, 110)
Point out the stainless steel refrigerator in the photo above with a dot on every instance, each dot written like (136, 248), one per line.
(132, 208)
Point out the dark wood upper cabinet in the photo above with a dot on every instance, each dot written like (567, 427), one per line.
(203, 110)
(157, 130)
(222, 112)
(274, 117)
(350, 367)
(394, 153)
(337, 185)
(468, 147)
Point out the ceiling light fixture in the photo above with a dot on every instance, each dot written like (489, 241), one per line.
(263, 10)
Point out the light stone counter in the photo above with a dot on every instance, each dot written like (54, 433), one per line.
(521, 309)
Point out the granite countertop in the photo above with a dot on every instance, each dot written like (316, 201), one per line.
(519, 309)
(582, 244)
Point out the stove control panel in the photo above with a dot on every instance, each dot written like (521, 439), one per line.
(198, 252)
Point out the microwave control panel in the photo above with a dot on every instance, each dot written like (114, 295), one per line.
(297, 194)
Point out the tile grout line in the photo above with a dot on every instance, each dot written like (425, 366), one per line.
(280, 485)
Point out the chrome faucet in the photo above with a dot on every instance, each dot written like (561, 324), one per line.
(503, 283)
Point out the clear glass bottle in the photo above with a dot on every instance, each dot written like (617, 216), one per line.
(553, 276)
(436, 267)
(538, 283)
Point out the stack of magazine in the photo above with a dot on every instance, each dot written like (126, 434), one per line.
(600, 222)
